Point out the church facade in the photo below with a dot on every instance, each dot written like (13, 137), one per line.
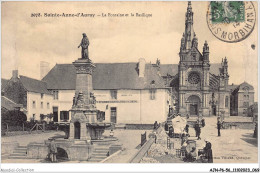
(200, 87)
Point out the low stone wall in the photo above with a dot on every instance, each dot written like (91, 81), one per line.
(142, 151)
(76, 150)
(8, 147)
(37, 151)
(239, 125)
(114, 148)
(139, 126)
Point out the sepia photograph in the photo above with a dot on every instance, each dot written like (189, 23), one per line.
(129, 82)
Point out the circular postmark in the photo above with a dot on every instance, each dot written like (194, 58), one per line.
(231, 21)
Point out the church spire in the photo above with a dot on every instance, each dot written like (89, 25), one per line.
(189, 32)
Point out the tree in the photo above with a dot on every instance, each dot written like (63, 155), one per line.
(13, 117)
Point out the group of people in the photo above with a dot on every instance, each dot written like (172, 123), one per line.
(206, 154)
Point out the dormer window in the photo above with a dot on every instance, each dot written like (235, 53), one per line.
(113, 94)
(42, 95)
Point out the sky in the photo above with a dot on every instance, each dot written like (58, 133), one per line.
(26, 40)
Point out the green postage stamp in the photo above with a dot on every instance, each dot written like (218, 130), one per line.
(227, 11)
(231, 21)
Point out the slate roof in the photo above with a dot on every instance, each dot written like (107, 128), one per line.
(172, 69)
(245, 84)
(34, 85)
(9, 104)
(105, 76)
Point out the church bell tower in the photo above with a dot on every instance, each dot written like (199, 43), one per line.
(193, 72)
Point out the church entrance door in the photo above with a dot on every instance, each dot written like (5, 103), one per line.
(193, 105)
(194, 109)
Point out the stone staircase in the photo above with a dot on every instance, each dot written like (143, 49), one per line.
(19, 153)
(100, 153)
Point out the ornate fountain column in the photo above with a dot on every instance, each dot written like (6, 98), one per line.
(84, 103)
(84, 107)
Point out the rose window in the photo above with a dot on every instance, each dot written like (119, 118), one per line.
(194, 78)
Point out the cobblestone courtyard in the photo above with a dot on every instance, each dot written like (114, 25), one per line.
(234, 145)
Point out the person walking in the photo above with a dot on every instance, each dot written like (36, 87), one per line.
(53, 150)
(219, 127)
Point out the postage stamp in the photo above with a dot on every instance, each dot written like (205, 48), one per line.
(231, 21)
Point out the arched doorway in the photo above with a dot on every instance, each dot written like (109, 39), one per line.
(193, 104)
(77, 130)
(61, 154)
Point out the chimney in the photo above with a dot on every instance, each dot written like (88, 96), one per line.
(141, 67)
(15, 74)
(44, 69)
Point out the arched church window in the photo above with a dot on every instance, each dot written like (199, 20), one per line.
(226, 102)
(194, 78)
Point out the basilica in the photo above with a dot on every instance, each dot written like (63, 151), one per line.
(200, 87)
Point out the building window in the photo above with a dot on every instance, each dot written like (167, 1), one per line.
(42, 105)
(33, 118)
(113, 114)
(34, 104)
(64, 115)
(48, 105)
(193, 78)
(113, 94)
(226, 102)
(55, 94)
(152, 94)
(42, 95)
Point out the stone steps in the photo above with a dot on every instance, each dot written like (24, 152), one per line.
(4, 156)
(19, 153)
(100, 153)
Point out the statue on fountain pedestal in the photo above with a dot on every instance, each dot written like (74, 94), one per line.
(84, 45)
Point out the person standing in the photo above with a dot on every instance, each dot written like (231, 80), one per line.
(199, 131)
(203, 122)
(208, 152)
(196, 128)
(155, 125)
(219, 126)
(53, 150)
(187, 128)
(187, 116)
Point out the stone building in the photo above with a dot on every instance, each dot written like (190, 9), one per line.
(128, 93)
(30, 94)
(242, 97)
